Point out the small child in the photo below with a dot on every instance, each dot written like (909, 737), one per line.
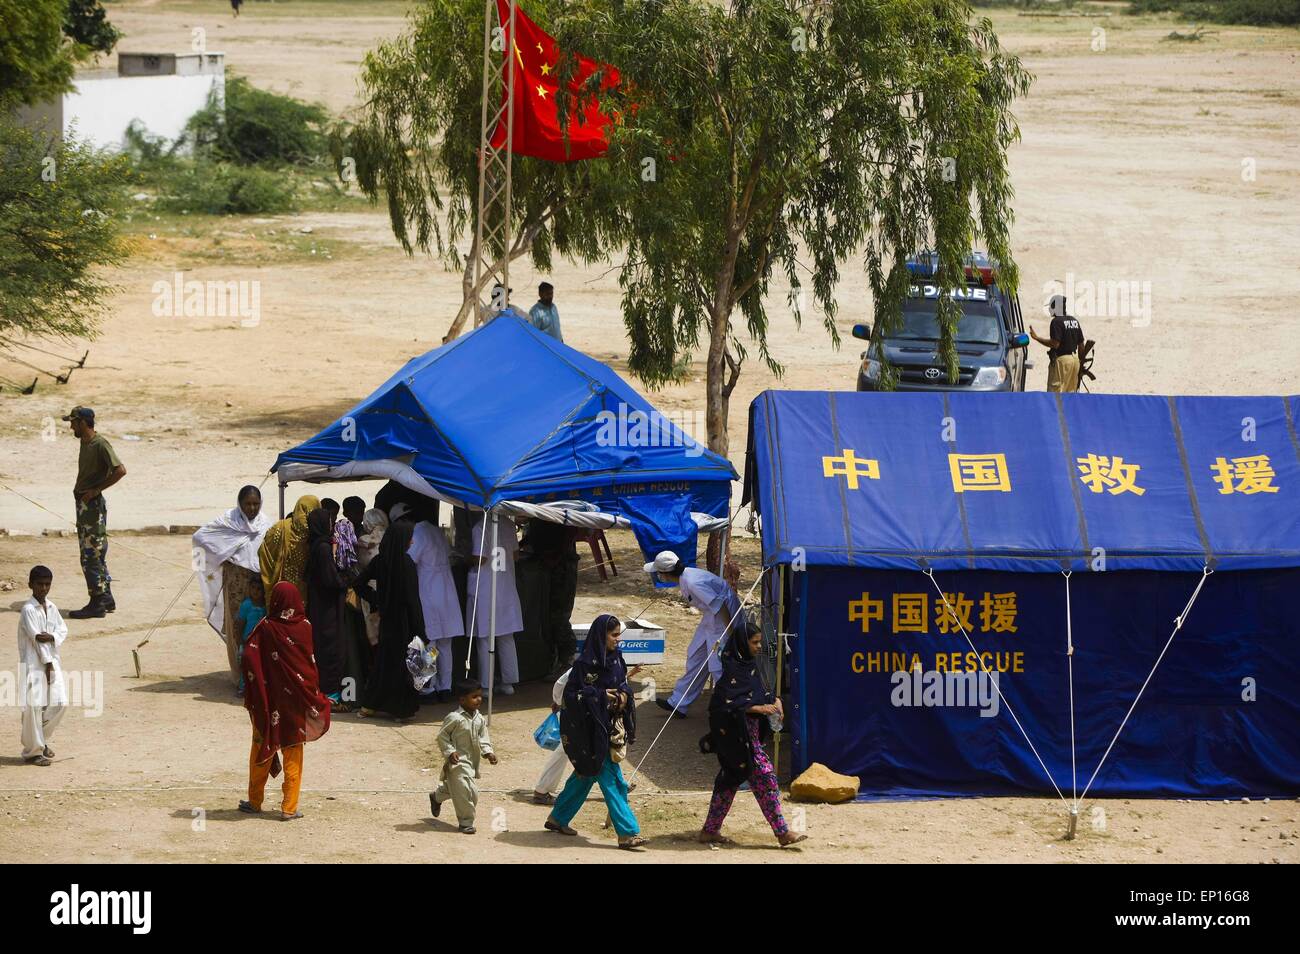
(462, 741)
(251, 612)
(41, 631)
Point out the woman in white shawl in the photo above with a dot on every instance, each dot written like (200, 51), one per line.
(225, 553)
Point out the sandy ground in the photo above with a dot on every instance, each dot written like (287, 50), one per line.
(1131, 169)
(156, 775)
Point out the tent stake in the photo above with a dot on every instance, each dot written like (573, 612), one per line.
(1074, 823)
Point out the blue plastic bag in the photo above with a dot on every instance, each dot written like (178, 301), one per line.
(547, 735)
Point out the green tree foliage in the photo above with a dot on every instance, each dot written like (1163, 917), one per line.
(86, 24)
(256, 126)
(415, 141)
(796, 138)
(35, 63)
(757, 135)
(59, 207)
(248, 155)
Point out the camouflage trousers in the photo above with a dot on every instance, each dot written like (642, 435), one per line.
(92, 538)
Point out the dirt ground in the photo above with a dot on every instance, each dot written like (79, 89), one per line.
(1134, 166)
(157, 774)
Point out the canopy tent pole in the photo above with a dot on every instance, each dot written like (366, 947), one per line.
(282, 486)
(492, 624)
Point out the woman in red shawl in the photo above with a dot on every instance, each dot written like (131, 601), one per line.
(283, 698)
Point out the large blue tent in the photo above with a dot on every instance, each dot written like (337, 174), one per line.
(506, 414)
(1126, 566)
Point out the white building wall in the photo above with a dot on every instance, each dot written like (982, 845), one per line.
(101, 108)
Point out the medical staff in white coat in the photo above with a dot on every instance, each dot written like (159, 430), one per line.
(478, 602)
(431, 554)
(41, 631)
(717, 604)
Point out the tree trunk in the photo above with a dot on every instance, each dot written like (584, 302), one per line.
(468, 296)
(717, 401)
(469, 293)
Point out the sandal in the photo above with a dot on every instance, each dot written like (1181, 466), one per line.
(636, 841)
(543, 798)
(41, 760)
(552, 825)
(791, 839)
(247, 808)
(284, 817)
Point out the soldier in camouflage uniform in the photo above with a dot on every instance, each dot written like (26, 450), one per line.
(98, 468)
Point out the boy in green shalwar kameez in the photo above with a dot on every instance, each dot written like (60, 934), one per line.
(463, 741)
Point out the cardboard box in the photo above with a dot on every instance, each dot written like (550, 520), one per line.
(643, 643)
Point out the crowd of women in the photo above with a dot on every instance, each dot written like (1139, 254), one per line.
(372, 581)
(329, 599)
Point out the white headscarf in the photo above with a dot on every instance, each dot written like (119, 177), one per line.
(373, 524)
(231, 538)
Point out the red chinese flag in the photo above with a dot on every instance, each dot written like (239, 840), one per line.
(537, 130)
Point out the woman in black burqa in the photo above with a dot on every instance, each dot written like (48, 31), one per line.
(738, 726)
(396, 596)
(325, 591)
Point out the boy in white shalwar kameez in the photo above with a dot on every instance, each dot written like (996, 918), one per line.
(41, 631)
(463, 741)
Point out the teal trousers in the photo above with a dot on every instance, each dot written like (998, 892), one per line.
(612, 786)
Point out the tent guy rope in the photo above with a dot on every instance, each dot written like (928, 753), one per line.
(716, 647)
(929, 571)
(1206, 572)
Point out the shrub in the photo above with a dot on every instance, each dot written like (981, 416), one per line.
(257, 127)
(221, 188)
(1248, 12)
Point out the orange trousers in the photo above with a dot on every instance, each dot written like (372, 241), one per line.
(291, 758)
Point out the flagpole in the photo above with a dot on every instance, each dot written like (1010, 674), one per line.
(510, 143)
(492, 226)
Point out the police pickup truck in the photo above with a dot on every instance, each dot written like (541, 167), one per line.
(990, 340)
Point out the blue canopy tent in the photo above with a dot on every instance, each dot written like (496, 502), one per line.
(507, 420)
(990, 594)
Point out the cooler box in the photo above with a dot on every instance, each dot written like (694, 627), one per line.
(642, 643)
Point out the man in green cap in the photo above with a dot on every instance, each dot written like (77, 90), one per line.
(98, 468)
